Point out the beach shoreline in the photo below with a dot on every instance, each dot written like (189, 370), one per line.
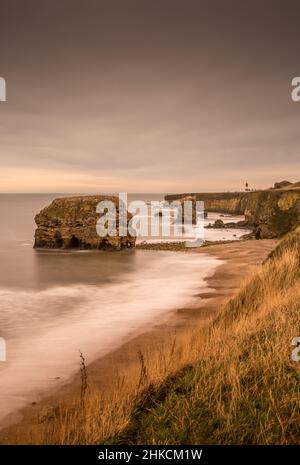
(238, 258)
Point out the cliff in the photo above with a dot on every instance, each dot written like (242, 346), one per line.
(70, 222)
(227, 202)
(272, 213)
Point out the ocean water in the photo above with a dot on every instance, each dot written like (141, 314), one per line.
(209, 234)
(55, 303)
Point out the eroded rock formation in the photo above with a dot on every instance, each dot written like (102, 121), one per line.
(272, 213)
(70, 222)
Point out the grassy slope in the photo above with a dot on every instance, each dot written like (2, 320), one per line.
(244, 388)
(228, 381)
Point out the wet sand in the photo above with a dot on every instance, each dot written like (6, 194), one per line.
(239, 259)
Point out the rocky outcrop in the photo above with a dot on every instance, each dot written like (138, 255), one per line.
(70, 223)
(272, 213)
(286, 185)
(186, 210)
(282, 184)
(189, 198)
(219, 224)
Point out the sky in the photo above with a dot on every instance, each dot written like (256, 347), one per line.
(148, 96)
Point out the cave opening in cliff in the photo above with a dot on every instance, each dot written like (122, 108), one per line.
(74, 242)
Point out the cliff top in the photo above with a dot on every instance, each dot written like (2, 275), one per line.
(286, 186)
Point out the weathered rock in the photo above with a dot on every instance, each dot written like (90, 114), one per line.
(272, 213)
(70, 222)
(282, 184)
(181, 202)
(219, 224)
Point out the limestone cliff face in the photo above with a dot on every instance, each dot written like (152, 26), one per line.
(71, 223)
(232, 206)
(228, 202)
(272, 213)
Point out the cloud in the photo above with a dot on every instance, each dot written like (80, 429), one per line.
(157, 99)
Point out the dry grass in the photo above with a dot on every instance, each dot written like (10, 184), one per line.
(96, 415)
(229, 382)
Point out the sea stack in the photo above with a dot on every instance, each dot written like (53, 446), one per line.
(70, 223)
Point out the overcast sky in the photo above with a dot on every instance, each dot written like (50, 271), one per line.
(148, 96)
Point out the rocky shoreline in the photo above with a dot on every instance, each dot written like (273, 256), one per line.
(271, 213)
(71, 222)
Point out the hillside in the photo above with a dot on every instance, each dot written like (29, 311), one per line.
(244, 389)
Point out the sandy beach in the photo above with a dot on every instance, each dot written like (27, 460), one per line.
(238, 260)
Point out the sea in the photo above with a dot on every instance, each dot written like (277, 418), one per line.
(55, 304)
